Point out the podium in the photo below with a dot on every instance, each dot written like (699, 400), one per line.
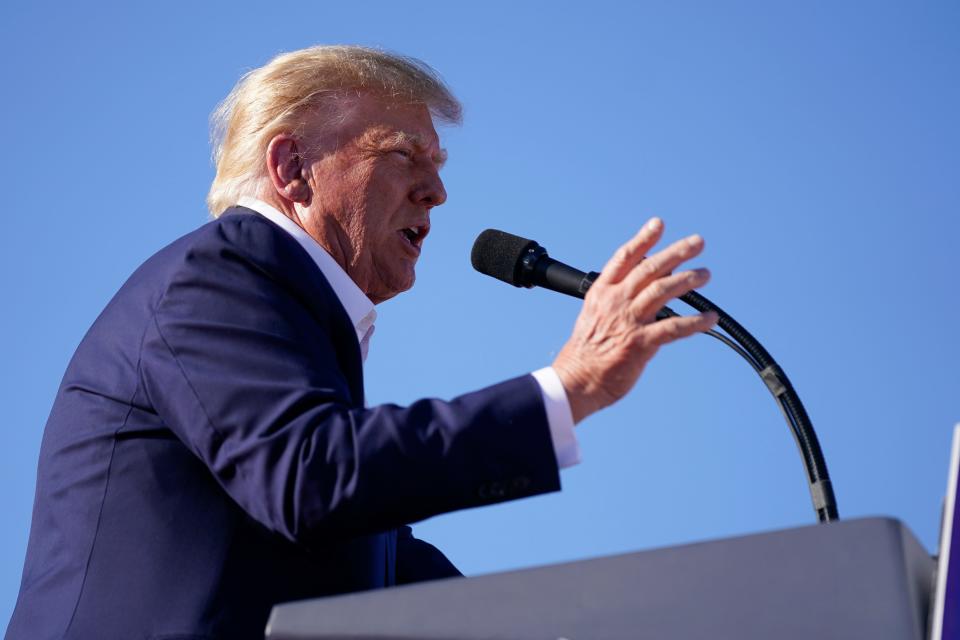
(865, 578)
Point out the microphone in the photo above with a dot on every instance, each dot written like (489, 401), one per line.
(524, 263)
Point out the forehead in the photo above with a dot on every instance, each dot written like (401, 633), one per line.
(374, 119)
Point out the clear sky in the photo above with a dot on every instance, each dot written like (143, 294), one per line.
(816, 147)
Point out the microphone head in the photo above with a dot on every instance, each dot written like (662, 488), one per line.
(500, 254)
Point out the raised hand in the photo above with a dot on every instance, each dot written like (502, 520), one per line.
(617, 333)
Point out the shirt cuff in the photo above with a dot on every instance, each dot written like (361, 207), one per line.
(559, 417)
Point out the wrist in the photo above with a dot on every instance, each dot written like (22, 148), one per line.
(582, 393)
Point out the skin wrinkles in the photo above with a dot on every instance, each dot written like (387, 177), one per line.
(356, 185)
(384, 140)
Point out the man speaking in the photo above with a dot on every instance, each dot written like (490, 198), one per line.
(210, 454)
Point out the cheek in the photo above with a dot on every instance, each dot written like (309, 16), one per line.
(383, 207)
(356, 208)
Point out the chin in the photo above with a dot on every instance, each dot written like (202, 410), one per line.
(389, 290)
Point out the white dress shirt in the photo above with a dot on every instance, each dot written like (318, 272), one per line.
(363, 315)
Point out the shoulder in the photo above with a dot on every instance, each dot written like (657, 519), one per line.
(246, 233)
(232, 265)
(240, 244)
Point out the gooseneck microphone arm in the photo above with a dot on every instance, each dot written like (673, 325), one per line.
(524, 263)
(779, 385)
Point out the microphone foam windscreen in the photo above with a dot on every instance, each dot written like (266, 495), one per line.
(499, 254)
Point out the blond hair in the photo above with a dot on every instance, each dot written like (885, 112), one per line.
(274, 98)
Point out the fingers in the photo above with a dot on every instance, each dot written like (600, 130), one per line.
(662, 263)
(666, 331)
(659, 292)
(632, 253)
(617, 333)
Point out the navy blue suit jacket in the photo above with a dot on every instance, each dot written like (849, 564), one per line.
(209, 453)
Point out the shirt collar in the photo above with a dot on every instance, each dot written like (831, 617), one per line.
(358, 306)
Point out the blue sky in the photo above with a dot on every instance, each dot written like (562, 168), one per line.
(815, 146)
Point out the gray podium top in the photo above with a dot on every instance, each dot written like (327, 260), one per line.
(867, 578)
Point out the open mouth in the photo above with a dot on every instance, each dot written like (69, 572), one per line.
(415, 234)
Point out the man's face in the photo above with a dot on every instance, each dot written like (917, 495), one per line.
(374, 177)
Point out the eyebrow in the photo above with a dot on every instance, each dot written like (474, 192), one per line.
(402, 137)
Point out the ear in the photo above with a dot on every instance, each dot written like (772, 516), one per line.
(285, 168)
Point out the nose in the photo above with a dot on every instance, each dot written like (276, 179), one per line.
(429, 192)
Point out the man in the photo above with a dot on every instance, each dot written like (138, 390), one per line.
(209, 452)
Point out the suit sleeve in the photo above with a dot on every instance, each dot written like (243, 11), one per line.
(245, 372)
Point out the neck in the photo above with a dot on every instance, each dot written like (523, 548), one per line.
(324, 230)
